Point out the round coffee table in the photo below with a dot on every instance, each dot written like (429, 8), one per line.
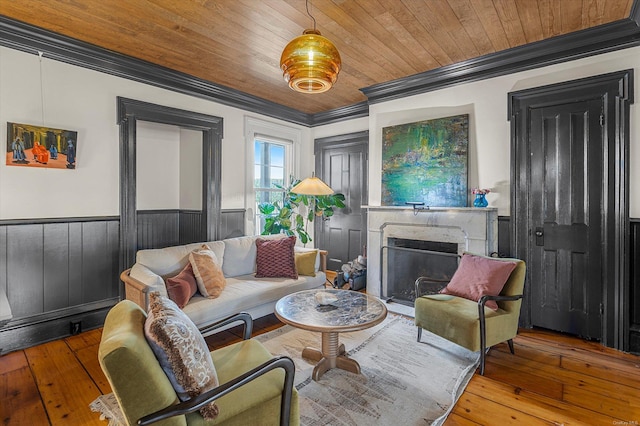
(351, 311)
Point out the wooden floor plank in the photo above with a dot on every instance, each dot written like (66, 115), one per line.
(486, 412)
(623, 376)
(13, 361)
(66, 388)
(533, 403)
(619, 408)
(596, 385)
(456, 420)
(84, 340)
(522, 380)
(88, 357)
(20, 402)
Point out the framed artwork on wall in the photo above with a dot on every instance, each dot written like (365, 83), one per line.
(37, 146)
(426, 162)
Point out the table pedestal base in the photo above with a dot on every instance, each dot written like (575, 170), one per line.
(331, 356)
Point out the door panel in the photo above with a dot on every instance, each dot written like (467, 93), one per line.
(566, 144)
(344, 234)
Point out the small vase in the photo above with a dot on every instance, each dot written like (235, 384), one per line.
(480, 201)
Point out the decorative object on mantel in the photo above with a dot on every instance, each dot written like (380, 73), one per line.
(426, 161)
(481, 199)
(418, 206)
(285, 218)
(310, 62)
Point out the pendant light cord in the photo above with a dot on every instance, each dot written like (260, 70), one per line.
(311, 16)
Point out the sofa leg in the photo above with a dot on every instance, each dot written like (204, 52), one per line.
(510, 343)
(419, 333)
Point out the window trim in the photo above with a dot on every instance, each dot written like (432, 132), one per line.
(268, 131)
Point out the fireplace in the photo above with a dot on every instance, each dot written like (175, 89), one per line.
(409, 259)
(452, 230)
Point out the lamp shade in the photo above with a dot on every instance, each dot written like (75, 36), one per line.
(310, 63)
(312, 186)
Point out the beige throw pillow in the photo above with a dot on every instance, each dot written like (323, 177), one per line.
(208, 273)
(181, 351)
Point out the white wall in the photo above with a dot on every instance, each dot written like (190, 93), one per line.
(157, 166)
(486, 102)
(190, 169)
(79, 99)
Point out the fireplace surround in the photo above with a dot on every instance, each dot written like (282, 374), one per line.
(471, 229)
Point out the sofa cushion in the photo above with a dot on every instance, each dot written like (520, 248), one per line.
(207, 271)
(275, 258)
(316, 265)
(305, 263)
(148, 277)
(168, 261)
(240, 254)
(181, 350)
(183, 286)
(245, 293)
(477, 276)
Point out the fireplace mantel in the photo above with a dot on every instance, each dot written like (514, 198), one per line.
(473, 229)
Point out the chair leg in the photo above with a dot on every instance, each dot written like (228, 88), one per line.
(419, 333)
(510, 343)
(483, 338)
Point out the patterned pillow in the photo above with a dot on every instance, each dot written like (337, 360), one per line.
(477, 276)
(181, 351)
(208, 273)
(275, 258)
(306, 263)
(182, 287)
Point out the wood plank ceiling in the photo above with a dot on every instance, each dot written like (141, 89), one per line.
(237, 43)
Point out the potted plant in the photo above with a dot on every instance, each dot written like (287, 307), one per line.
(285, 217)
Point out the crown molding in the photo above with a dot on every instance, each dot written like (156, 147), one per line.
(591, 41)
(30, 39)
(349, 112)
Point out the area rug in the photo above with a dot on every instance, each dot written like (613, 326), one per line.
(403, 382)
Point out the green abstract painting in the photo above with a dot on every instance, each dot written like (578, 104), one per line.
(426, 161)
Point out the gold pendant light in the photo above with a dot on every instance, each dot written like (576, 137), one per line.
(310, 62)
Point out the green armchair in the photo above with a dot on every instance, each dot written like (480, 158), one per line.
(467, 323)
(255, 387)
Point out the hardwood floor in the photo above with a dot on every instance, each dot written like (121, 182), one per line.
(552, 379)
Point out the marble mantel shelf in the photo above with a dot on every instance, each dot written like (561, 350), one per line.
(431, 209)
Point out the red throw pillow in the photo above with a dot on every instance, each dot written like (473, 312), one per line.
(276, 258)
(182, 287)
(477, 276)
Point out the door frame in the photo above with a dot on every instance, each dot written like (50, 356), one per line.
(129, 112)
(342, 141)
(616, 91)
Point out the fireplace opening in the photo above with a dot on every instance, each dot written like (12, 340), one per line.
(409, 259)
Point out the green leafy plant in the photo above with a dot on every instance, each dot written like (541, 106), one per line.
(285, 217)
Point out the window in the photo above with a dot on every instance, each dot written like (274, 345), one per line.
(270, 161)
(269, 170)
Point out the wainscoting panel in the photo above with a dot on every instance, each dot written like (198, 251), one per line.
(158, 228)
(55, 271)
(190, 222)
(232, 223)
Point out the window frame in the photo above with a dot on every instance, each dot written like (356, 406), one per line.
(256, 129)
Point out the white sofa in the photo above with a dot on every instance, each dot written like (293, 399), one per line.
(243, 292)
